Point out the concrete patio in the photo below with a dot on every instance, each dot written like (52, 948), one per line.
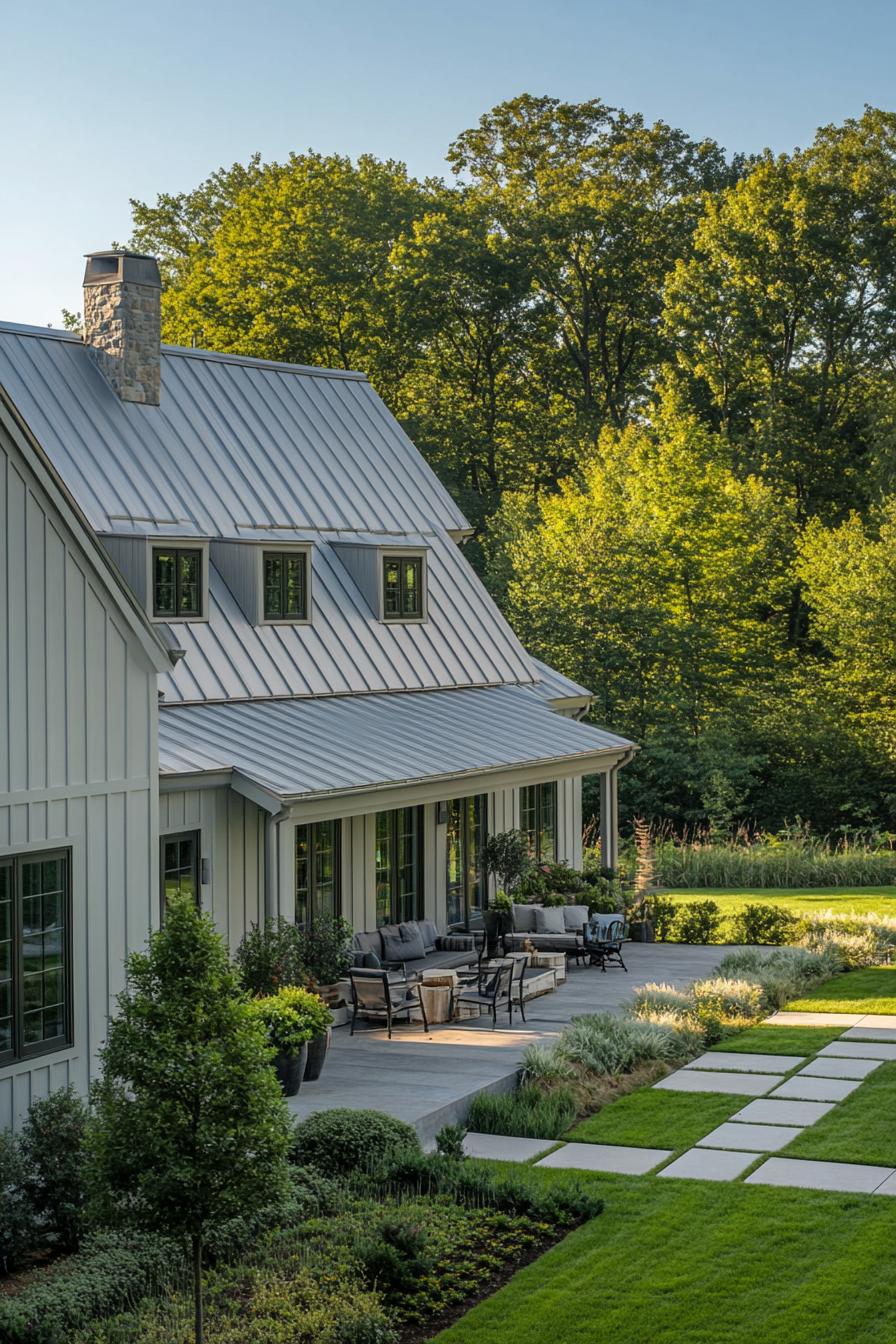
(430, 1080)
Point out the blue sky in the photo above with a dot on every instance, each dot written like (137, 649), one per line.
(100, 102)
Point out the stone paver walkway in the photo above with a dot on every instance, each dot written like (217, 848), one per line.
(762, 1138)
(744, 1063)
(736, 1084)
(809, 1088)
(502, 1148)
(847, 1176)
(710, 1164)
(606, 1157)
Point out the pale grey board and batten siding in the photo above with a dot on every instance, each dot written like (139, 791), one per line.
(77, 760)
(232, 843)
(235, 443)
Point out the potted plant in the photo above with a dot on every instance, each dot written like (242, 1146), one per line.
(506, 858)
(293, 1017)
(270, 956)
(326, 954)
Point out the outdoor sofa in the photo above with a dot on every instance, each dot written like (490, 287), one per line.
(549, 928)
(415, 946)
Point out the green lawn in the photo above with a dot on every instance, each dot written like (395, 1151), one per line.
(869, 991)
(860, 1129)
(767, 1040)
(801, 900)
(693, 1262)
(651, 1119)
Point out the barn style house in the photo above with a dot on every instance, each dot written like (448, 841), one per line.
(244, 657)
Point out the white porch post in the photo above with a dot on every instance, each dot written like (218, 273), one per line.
(609, 818)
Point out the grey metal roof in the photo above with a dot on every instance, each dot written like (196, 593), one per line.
(553, 686)
(297, 748)
(236, 443)
(345, 650)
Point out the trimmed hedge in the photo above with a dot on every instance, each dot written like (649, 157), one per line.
(342, 1141)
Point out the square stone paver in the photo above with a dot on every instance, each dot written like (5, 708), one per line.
(759, 1138)
(861, 1049)
(502, 1148)
(881, 1021)
(698, 1080)
(816, 1089)
(847, 1176)
(785, 1019)
(769, 1112)
(709, 1164)
(606, 1157)
(834, 1066)
(730, 1059)
(888, 1187)
(870, 1034)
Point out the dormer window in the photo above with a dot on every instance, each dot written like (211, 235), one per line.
(176, 582)
(285, 585)
(403, 588)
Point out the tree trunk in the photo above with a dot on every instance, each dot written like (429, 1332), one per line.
(197, 1287)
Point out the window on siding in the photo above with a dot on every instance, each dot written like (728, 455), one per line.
(176, 582)
(35, 954)
(399, 866)
(180, 867)
(317, 870)
(285, 586)
(402, 587)
(538, 820)
(466, 833)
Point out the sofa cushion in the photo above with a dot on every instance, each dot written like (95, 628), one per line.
(392, 944)
(574, 917)
(430, 934)
(549, 919)
(457, 942)
(412, 941)
(368, 942)
(543, 942)
(524, 918)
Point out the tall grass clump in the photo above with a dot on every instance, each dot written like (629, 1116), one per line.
(757, 859)
(782, 973)
(527, 1113)
(651, 998)
(602, 1044)
(858, 940)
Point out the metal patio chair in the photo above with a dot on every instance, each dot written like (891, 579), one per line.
(493, 988)
(606, 947)
(384, 995)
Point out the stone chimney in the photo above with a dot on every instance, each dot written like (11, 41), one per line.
(123, 322)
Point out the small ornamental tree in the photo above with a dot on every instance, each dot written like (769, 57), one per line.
(189, 1126)
(506, 857)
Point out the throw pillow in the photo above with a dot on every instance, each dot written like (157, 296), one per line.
(575, 916)
(430, 934)
(394, 947)
(371, 961)
(412, 941)
(523, 918)
(549, 920)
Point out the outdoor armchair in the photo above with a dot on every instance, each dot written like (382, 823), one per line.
(384, 995)
(492, 988)
(605, 945)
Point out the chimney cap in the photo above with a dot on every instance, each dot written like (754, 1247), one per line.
(117, 265)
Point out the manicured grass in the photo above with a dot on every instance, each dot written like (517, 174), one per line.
(869, 991)
(767, 1040)
(801, 900)
(860, 1129)
(651, 1119)
(693, 1262)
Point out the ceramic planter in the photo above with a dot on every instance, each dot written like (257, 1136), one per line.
(317, 1053)
(290, 1069)
(642, 931)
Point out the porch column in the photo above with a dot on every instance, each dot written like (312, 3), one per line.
(609, 818)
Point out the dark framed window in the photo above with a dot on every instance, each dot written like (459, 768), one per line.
(466, 832)
(285, 584)
(318, 875)
(538, 820)
(35, 954)
(179, 866)
(176, 582)
(402, 587)
(399, 865)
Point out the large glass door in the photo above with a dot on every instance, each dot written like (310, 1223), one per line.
(317, 870)
(399, 865)
(467, 821)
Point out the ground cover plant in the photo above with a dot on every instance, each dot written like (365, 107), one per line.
(863, 991)
(694, 1262)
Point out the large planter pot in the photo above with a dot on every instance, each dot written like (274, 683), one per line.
(496, 922)
(290, 1070)
(317, 1053)
(642, 931)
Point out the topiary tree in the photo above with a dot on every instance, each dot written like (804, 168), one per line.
(52, 1149)
(506, 858)
(189, 1126)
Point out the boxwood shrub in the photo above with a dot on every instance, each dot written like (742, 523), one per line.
(341, 1141)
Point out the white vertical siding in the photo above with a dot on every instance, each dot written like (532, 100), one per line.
(77, 761)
